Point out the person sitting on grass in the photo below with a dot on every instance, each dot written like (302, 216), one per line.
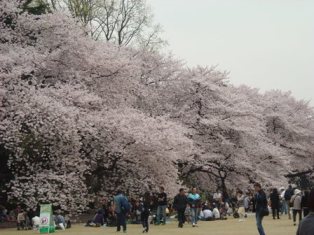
(206, 214)
(223, 209)
(216, 212)
(97, 221)
(59, 221)
(36, 222)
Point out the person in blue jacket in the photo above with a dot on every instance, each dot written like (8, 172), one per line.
(194, 200)
(121, 208)
(261, 206)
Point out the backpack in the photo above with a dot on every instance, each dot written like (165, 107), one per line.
(288, 194)
(125, 205)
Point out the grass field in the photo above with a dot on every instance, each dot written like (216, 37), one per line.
(223, 227)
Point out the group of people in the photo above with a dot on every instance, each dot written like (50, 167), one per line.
(27, 219)
(122, 207)
(291, 201)
(190, 208)
(23, 218)
(154, 205)
(292, 198)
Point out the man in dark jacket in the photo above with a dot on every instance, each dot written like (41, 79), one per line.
(179, 204)
(304, 203)
(288, 194)
(275, 202)
(261, 205)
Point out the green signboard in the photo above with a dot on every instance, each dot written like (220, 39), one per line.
(46, 220)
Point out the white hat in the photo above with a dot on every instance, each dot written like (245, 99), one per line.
(297, 191)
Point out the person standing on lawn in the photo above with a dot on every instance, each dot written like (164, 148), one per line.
(162, 206)
(194, 200)
(179, 204)
(261, 205)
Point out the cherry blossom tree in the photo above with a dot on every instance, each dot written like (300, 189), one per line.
(79, 117)
(68, 119)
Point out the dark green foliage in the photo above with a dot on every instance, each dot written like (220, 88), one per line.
(5, 173)
(36, 7)
(303, 180)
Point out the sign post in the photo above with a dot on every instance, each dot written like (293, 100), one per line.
(46, 220)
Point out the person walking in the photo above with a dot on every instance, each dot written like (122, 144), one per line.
(162, 205)
(240, 202)
(145, 210)
(275, 203)
(306, 227)
(194, 201)
(283, 203)
(304, 203)
(121, 208)
(247, 202)
(288, 194)
(179, 204)
(296, 208)
(261, 206)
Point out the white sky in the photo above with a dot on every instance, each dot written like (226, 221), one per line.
(267, 44)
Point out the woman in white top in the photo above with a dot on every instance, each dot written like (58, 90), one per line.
(296, 209)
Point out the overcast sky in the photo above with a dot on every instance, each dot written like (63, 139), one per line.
(267, 44)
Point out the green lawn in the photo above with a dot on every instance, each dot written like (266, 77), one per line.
(225, 227)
